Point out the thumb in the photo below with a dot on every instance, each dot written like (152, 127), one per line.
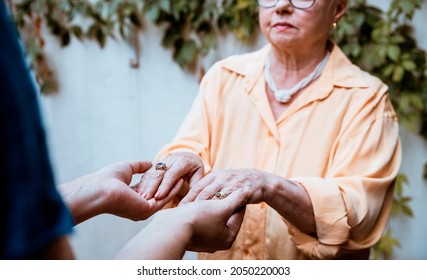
(139, 166)
(236, 200)
(235, 221)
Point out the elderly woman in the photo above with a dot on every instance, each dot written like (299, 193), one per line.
(314, 138)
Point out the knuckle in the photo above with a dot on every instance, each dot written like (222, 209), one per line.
(196, 189)
(152, 175)
(204, 195)
(171, 174)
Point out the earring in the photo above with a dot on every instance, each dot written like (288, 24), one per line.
(334, 25)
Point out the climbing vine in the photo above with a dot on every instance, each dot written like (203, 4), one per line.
(381, 42)
(385, 46)
(191, 28)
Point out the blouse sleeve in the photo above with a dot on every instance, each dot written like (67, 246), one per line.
(352, 204)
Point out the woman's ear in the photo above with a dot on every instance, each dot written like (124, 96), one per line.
(340, 9)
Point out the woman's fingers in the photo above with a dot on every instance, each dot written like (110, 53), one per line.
(150, 182)
(194, 191)
(158, 181)
(157, 204)
(178, 170)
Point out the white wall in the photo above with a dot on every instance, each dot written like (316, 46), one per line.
(106, 111)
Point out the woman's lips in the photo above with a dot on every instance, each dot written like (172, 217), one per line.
(283, 26)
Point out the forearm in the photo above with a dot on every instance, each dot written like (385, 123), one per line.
(292, 202)
(161, 239)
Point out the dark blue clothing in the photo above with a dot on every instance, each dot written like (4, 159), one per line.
(31, 210)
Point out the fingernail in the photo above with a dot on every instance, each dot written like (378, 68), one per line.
(144, 195)
(157, 195)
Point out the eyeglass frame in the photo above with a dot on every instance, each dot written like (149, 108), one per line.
(290, 1)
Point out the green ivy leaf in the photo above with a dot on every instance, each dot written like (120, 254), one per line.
(393, 52)
(65, 38)
(381, 51)
(406, 210)
(91, 33)
(408, 8)
(172, 36)
(398, 186)
(208, 42)
(95, 32)
(388, 70)
(55, 27)
(135, 19)
(78, 32)
(409, 65)
(385, 247)
(399, 71)
(397, 39)
(101, 37)
(186, 54)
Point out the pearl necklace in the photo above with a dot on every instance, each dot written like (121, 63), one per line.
(285, 95)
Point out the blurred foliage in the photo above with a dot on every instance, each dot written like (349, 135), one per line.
(384, 45)
(68, 19)
(400, 201)
(384, 248)
(190, 28)
(380, 42)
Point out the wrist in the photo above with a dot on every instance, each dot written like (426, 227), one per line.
(83, 200)
(272, 184)
(179, 227)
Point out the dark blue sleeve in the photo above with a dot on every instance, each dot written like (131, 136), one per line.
(32, 211)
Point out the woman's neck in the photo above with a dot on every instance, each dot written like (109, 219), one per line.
(289, 66)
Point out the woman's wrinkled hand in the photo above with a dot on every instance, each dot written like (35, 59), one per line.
(163, 176)
(224, 182)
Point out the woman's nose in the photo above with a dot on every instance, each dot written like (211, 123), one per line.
(283, 6)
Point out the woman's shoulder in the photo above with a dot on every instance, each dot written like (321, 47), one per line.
(347, 74)
(243, 63)
(251, 56)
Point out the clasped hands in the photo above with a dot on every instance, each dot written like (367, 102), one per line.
(213, 224)
(185, 170)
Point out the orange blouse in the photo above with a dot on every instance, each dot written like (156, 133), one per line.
(339, 140)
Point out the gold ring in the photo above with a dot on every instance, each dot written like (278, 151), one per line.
(161, 166)
(220, 195)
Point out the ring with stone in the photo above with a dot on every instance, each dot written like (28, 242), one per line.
(220, 195)
(161, 166)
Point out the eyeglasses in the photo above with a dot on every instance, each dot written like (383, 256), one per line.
(297, 4)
